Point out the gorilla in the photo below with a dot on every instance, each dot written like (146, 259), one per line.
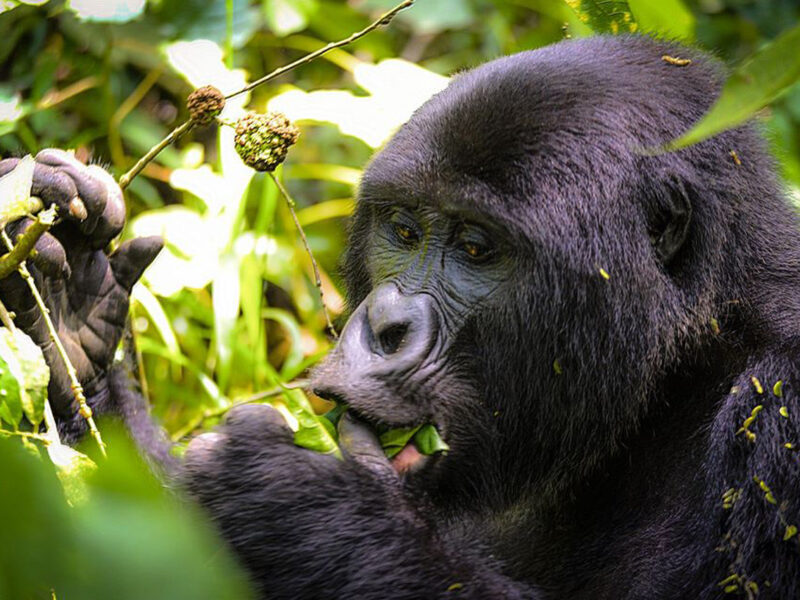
(605, 334)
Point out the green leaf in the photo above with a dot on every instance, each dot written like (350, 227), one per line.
(313, 431)
(428, 441)
(10, 403)
(72, 468)
(394, 440)
(284, 17)
(36, 376)
(605, 16)
(763, 77)
(425, 438)
(12, 376)
(666, 17)
(15, 192)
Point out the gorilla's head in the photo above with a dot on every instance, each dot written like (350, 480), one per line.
(525, 268)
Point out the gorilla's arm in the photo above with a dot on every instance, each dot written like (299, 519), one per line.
(754, 475)
(309, 525)
(87, 292)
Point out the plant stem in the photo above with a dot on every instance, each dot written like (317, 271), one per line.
(11, 261)
(173, 137)
(384, 19)
(28, 435)
(229, 33)
(216, 412)
(317, 279)
(77, 390)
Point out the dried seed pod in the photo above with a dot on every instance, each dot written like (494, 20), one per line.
(204, 104)
(263, 140)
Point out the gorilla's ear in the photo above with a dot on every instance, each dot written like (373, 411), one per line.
(669, 220)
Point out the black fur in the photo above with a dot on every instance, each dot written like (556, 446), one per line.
(594, 421)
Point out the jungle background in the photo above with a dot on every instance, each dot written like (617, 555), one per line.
(230, 311)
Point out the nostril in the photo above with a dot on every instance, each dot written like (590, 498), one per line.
(391, 338)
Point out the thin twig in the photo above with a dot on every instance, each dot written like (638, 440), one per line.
(7, 318)
(384, 19)
(173, 137)
(216, 412)
(83, 406)
(10, 262)
(317, 279)
(176, 133)
(27, 435)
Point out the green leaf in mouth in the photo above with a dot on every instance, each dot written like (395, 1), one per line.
(425, 438)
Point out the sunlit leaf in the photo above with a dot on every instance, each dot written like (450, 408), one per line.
(288, 16)
(72, 468)
(109, 11)
(329, 209)
(666, 17)
(15, 192)
(605, 16)
(36, 375)
(23, 380)
(372, 118)
(314, 431)
(10, 402)
(767, 74)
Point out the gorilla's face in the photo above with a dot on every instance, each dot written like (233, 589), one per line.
(403, 358)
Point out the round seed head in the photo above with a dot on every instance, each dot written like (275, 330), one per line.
(204, 104)
(263, 140)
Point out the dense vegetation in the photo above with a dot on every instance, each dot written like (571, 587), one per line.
(230, 312)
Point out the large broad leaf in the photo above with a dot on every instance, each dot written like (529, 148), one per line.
(757, 82)
(605, 16)
(666, 17)
(129, 539)
(24, 376)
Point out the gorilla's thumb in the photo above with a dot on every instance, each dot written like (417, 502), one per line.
(362, 445)
(133, 257)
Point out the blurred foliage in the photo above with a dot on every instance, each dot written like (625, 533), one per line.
(127, 538)
(229, 312)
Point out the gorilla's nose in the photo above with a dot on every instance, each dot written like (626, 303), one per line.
(399, 324)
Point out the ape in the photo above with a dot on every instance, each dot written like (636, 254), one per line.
(591, 324)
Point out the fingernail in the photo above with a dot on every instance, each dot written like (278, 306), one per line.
(78, 209)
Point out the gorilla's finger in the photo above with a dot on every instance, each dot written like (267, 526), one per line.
(113, 218)
(361, 443)
(92, 191)
(258, 421)
(133, 257)
(49, 255)
(53, 187)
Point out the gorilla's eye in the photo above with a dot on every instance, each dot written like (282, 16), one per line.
(404, 228)
(404, 232)
(475, 251)
(475, 244)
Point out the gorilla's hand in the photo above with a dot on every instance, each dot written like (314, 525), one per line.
(86, 291)
(309, 525)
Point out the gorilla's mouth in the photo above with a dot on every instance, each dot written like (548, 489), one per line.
(408, 448)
